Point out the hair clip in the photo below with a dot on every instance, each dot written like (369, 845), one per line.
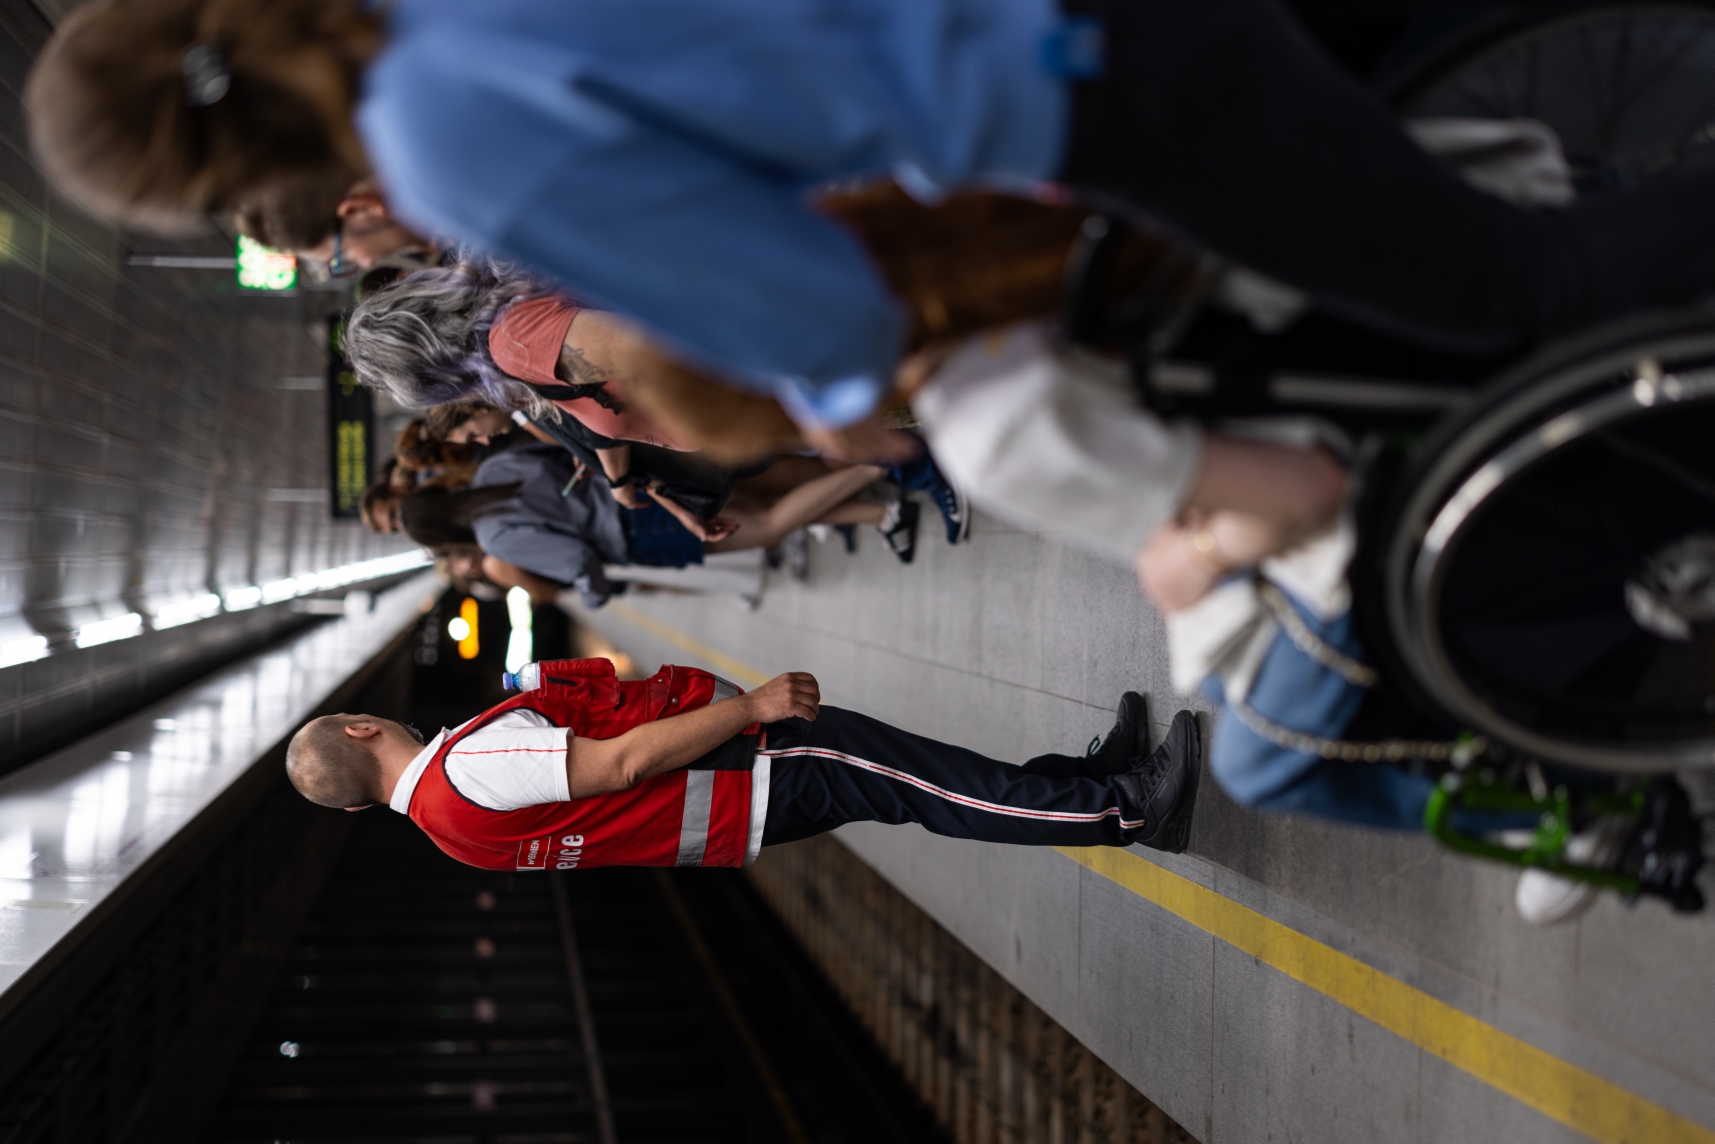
(206, 77)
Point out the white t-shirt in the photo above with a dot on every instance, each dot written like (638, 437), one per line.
(516, 761)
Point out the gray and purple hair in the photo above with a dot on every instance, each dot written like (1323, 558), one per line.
(424, 339)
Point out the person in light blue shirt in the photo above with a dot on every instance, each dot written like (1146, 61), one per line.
(657, 157)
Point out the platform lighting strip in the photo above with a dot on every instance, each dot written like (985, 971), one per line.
(31, 648)
(1556, 1088)
(23, 651)
(185, 611)
(241, 599)
(106, 631)
(250, 595)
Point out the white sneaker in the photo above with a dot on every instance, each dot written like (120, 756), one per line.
(1545, 899)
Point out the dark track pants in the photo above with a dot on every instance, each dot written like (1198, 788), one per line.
(846, 767)
(1224, 120)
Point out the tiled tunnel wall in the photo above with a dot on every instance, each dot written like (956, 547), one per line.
(161, 436)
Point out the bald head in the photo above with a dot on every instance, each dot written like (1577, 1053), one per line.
(333, 767)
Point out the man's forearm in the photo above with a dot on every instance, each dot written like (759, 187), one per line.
(596, 766)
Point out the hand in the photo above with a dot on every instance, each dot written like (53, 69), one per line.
(719, 528)
(627, 495)
(793, 695)
(1181, 561)
(915, 371)
(1173, 571)
(868, 442)
(707, 531)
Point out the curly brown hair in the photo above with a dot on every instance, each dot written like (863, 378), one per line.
(441, 420)
(429, 459)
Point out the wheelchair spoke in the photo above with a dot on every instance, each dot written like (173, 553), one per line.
(1627, 90)
(1665, 466)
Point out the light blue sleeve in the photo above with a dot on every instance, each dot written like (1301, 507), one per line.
(718, 253)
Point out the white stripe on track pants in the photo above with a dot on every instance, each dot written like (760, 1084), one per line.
(846, 767)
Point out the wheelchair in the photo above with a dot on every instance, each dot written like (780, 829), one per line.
(1535, 577)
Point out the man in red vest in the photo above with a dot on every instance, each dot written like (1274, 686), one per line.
(683, 769)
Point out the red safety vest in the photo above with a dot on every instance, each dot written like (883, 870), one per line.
(681, 818)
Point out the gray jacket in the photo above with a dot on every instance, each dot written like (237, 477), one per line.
(559, 533)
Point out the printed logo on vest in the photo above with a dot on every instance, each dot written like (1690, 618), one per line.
(533, 854)
(567, 852)
(562, 851)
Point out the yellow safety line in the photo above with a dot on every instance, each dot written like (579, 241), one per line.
(1579, 1099)
(1576, 1098)
(741, 673)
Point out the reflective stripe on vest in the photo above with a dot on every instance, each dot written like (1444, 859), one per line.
(694, 827)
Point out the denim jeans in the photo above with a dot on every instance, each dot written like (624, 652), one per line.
(1292, 690)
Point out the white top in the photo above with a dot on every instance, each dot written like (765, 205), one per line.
(518, 760)
(1053, 439)
(1229, 631)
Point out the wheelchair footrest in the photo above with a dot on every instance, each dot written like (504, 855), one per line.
(1661, 855)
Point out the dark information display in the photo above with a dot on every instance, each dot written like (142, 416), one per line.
(351, 428)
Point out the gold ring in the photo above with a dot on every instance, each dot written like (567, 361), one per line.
(1203, 540)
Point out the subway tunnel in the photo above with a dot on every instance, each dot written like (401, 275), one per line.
(189, 951)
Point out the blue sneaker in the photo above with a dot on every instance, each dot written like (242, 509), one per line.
(921, 474)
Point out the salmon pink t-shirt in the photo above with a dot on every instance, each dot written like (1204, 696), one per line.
(525, 342)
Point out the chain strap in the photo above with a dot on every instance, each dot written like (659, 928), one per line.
(1308, 642)
(1458, 752)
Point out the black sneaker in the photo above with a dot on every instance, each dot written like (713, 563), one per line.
(955, 509)
(921, 474)
(1665, 851)
(900, 529)
(1164, 787)
(1127, 742)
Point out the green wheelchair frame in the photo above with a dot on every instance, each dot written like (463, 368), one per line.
(1661, 855)
(1483, 789)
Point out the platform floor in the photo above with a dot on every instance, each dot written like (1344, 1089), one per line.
(1285, 980)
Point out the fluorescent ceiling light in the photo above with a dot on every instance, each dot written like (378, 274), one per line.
(106, 631)
(238, 599)
(276, 590)
(26, 650)
(184, 611)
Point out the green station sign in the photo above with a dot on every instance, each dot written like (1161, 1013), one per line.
(262, 269)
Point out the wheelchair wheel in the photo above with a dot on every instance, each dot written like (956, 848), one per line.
(1629, 89)
(1546, 573)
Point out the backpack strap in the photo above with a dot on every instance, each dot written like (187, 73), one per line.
(597, 393)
